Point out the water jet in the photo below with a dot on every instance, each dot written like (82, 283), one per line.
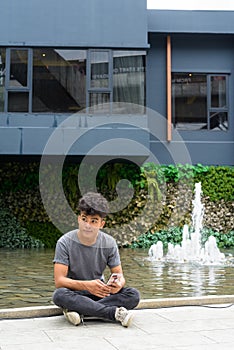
(191, 248)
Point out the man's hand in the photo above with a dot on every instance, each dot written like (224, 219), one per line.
(98, 288)
(117, 284)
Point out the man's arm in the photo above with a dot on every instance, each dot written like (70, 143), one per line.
(96, 287)
(61, 279)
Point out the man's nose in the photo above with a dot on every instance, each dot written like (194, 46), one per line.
(87, 224)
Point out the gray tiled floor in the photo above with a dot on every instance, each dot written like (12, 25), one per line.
(178, 328)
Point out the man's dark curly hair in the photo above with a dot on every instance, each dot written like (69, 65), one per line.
(93, 203)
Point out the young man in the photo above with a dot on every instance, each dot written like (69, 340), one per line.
(81, 257)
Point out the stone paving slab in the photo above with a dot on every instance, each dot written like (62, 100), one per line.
(176, 328)
(53, 310)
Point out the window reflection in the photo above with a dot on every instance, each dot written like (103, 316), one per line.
(218, 91)
(18, 83)
(59, 80)
(48, 80)
(18, 68)
(129, 81)
(218, 121)
(124, 85)
(99, 69)
(200, 101)
(18, 101)
(189, 100)
(99, 103)
(2, 77)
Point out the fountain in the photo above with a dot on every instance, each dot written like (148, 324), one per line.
(191, 249)
(206, 271)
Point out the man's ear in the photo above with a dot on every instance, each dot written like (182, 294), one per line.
(102, 224)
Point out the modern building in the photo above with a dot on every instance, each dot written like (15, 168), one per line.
(111, 78)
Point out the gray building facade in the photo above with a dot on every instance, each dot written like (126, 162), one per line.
(113, 79)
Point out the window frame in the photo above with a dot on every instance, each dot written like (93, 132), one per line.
(94, 90)
(9, 87)
(28, 87)
(209, 108)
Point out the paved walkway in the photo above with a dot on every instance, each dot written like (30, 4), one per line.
(181, 328)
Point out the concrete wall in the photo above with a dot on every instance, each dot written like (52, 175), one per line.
(74, 135)
(190, 53)
(172, 21)
(76, 24)
(123, 24)
(87, 23)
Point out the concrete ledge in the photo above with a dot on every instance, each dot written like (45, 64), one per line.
(47, 311)
(190, 301)
(30, 312)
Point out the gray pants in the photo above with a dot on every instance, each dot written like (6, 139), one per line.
(89, 305)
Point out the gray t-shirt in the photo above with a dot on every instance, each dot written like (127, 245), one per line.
(86, 262)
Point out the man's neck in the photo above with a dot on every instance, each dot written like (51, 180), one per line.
(86, 241)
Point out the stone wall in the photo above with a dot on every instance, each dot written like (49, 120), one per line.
(173, 209)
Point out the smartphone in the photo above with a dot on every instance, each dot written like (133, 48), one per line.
(113, 277)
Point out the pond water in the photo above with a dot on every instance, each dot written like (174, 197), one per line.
(27, 277)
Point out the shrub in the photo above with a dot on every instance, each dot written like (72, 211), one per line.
(45, 232)
(218, 183)
(12, 235)
(174, 235)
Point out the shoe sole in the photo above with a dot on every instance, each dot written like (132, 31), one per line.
(127, 323)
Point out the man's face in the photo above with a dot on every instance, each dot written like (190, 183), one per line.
(89, 225)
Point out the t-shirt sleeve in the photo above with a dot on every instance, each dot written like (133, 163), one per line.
(114, 257)
(61, 253)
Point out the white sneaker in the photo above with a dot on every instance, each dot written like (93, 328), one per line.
(72, 316)
(123, 316)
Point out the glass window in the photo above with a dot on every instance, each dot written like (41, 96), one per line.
(49, 80)
(59, 80)
(129, 81)
(199, 101)
(17, 82)
(99, 61)
(99, 102)
(99, 81)
(18, 68)
(2, 77)
(218, 121)
(218, 91)
(117, 77)
(18, 101)
(189, 93)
